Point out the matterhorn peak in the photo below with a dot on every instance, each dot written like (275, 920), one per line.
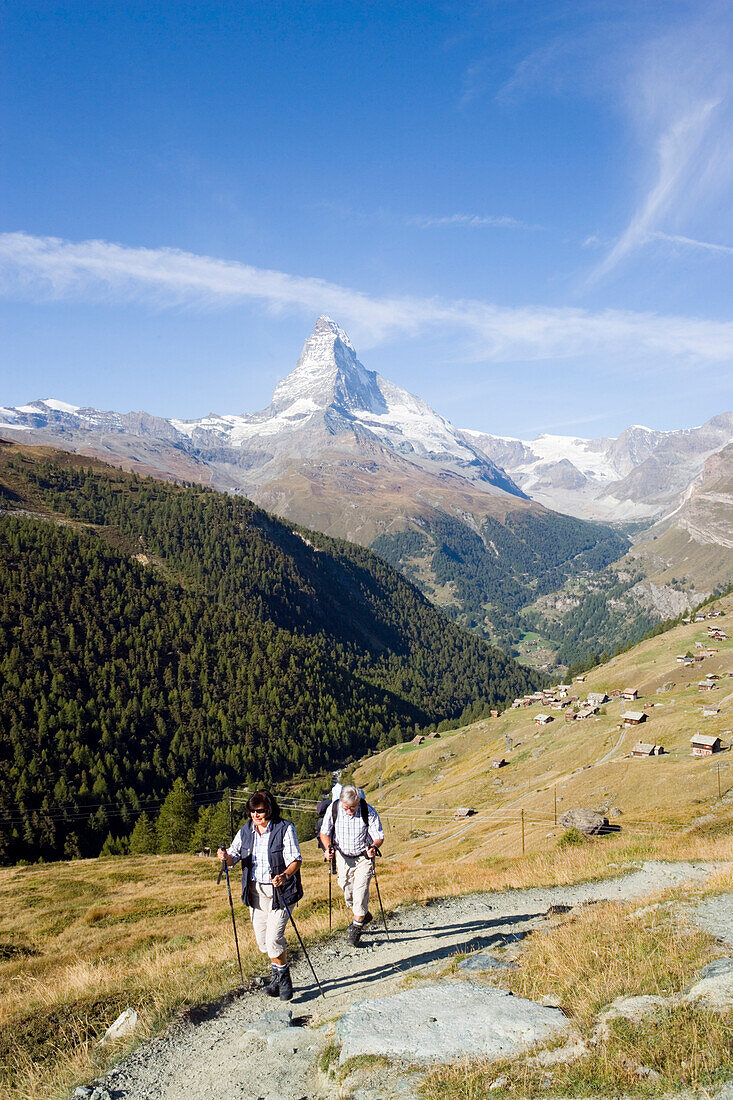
(328, 373)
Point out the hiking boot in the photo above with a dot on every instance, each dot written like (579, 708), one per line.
(367, 919)
(286, 985)
(272, 986)
(354, 934)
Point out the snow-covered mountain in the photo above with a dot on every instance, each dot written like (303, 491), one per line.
(329, 397)
(333, 425)
(641, 475)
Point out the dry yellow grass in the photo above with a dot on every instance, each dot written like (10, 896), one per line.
(82, 941)
(578, 763)
(583, 964)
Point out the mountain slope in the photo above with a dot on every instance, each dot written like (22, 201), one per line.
(580, 763)
(342, 450)
(150, 631)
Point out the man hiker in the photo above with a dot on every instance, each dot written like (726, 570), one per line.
(351, 828)
(267, 847)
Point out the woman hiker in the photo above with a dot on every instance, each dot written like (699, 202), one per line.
(267, 847)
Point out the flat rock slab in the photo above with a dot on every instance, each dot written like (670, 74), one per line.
(275, 1020)
(715, 915)
(714, 990)
(716, 968)
(442, 1023)
(486, 962)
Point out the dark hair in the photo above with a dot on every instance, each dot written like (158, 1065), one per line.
(263, 800)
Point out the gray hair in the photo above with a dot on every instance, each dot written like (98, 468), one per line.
(349, 796)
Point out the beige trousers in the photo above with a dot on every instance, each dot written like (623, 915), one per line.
(354, 876)
(268, 923)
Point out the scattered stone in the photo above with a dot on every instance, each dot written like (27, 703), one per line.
(557, 910)
(500, 1082)
(125, 1024)
(83, 1092)
(714, 990)
(574, 1048)
(614, 811)
(715, 915)
(480, 961)
(442, 1025)
(634, 1009)
(643, 912)
(585, 821)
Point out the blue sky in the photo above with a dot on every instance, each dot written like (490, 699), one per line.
(521, 212)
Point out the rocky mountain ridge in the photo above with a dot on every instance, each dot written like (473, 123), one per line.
(482, 524)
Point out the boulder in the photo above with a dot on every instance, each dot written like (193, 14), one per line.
(447, 1022)
(585, 821)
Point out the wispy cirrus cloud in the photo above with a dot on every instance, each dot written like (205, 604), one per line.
(470, 221)
(679, 98)
(678, 150)
(691, 242)
(53, 269)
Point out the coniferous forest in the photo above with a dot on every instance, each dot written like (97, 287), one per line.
(152, 632)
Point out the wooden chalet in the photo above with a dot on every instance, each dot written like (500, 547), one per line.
(641, 748)
(704, 745)
(633, 717)
(543, 719)
(629, 694)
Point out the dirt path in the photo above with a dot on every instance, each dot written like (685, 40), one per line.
(238, 1050)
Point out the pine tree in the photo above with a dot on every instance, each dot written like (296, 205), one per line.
(175, 820)
(143, 839)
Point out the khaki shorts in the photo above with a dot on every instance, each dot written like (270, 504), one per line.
(268, 923)
(354, 875)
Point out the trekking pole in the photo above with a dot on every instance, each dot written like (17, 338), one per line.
(225, 871)
(379, 896)
(276, 891)
(330, 872)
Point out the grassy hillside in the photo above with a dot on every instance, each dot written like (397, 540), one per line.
(150, 632)
(82, 940)
(582, 763)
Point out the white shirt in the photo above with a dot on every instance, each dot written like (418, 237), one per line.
(353, 837)
(260, 870)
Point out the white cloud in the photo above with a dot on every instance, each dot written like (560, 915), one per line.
(677, 151)
(690, 242)
(678, 94)
(52, 269)
(469, 221)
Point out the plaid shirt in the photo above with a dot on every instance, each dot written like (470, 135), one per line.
(353, 837)
(260, 870)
